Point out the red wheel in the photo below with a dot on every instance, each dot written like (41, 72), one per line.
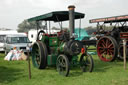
(107, 48)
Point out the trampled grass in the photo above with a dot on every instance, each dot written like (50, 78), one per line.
(104, 73)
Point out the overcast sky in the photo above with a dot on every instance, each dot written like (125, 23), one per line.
(13, 12)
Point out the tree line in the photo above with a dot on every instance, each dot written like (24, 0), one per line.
(25, 26)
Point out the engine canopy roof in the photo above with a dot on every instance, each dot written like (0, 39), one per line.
(56, 16)
(110, 19)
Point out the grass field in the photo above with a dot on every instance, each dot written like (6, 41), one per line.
(104, 73)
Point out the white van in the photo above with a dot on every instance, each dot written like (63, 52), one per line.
(3, 34)
(2, 40)
(20, 41)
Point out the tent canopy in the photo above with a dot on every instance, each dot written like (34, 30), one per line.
(82, 34)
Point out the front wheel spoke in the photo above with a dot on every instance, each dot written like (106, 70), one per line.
(111, 53)
(103, 42)
(37, 55)
(37, 58)
(110, 45)
(101, 51)
(38, 62)
(36, 51)
(111, 50)
(62, 70)
(63, 62)
(84, 60)
(107, 43)
(59, 61)
(87, 64)
(105, 55)
(103, 45)
(63, 65)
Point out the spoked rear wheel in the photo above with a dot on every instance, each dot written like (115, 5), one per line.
(62, 65)
(86, 63)
(107, 48)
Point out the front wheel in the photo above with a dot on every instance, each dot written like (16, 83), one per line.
(86, 63)
(62, 65)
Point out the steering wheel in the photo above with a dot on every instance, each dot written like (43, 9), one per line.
(39, 36)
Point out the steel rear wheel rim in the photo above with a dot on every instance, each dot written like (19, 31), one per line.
(36, 56)
(39, 54)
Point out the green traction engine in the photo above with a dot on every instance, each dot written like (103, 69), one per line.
(60, 49)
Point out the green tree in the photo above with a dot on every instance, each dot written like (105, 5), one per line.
(90, 29)
(25, 26)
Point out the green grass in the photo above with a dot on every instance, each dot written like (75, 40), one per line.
(104, 73)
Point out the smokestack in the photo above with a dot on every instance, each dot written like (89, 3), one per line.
(71, 20)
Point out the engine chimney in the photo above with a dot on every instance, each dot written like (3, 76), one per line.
(71, 20)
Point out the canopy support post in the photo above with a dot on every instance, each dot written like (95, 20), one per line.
(80, 28)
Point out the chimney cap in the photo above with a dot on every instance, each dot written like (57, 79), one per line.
(71, 6)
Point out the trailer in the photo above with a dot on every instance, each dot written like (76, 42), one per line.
(110, 44)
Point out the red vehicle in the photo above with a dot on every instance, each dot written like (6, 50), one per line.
(109, 44)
